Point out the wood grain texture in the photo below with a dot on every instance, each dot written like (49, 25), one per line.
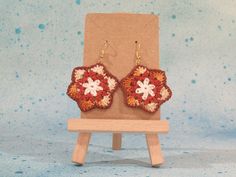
(116, 141)
(111, 125)
(81, 148)
(154, 149)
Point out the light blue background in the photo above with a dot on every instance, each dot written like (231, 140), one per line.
(42, 41)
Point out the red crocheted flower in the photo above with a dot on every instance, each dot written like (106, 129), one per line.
(92, 87)
(145, 88)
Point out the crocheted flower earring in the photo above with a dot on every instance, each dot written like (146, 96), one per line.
(145, 88)
(92, 86)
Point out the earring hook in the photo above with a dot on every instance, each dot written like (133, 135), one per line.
(137, 53)
(102, 52)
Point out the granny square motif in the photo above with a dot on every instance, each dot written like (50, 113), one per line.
(92, 87)
(145, 88)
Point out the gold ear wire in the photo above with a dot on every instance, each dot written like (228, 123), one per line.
(137, 53)
(102, 52)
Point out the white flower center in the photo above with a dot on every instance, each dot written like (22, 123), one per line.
(92, 86)
(145, 88)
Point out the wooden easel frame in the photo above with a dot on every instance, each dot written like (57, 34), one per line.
(119, 118)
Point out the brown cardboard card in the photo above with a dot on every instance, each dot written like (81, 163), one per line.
(121, 30)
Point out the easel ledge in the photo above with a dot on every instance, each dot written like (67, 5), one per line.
(118, 126)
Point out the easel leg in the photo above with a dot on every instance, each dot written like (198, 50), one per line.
(116, 141)
(81, 148)
(154, 149)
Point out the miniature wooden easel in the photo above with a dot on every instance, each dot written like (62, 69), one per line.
(121, 30)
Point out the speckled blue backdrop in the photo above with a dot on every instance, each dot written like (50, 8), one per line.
(41, 41)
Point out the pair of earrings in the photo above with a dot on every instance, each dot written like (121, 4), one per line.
(93, 86)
